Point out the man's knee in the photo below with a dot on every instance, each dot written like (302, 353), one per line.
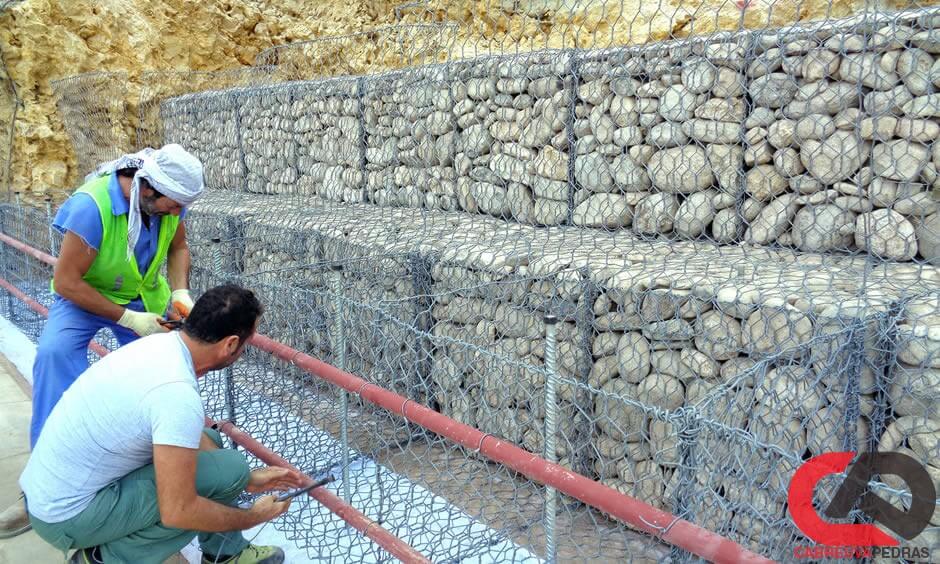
(214, 436)
(222, 474)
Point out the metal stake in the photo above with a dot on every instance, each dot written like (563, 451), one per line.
(551, 383)
(339, 357)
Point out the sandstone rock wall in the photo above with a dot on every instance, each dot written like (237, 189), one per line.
(45, 40)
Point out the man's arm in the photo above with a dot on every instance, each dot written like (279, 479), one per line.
(182, 508)
(178, 260)
(75, 258)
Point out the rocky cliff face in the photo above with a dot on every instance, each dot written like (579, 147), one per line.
(45, 40)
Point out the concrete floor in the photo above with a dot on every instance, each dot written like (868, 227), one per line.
(15, 409)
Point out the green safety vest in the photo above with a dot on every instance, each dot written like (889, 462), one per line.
(115, 275)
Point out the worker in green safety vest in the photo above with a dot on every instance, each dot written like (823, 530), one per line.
(120, 228)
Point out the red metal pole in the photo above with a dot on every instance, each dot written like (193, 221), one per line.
(395, 546)
(642, 516)
(20, 246)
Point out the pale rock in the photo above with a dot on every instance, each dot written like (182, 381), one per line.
(593, 173)
(887, 102)
(884, 193)
(677, 103)
(917, 130)
(655, 213)
(633, 357)
(551, 189)
(835, 158)
(505, 131)
(694, 215)
(481, 88)
(549, 212)
(772, 221)
(603, 128)
(777, 330)
(594, 92)
(726, 225)
(536, 133)
(551, 163)
(725, 162)
(787, 162)
(880, 128)
(759, 118)
(805, 184)
(853, 203)
(913, 66)
(628, 136)
(918, 205)
(544, 87)
(667, 134)
(680, 169)
(508, 168)
(915, 391)
(723, 200)
(699, 364)
(848, 119)
(722, 109)
(621, 419)
(629, 176)
(705, 131)
(815, 126)
(624, 86)
(886, 234)
(899, 159)
(928, 239)
(699, 75)
(490, 198)
(923, 106)
(718, 335)
(773, 90)
(603, 210)
(825, 97)
(819, 64)
(624, 111)
(728, 84)
(757, 154)
(864, 68)
(928, 40)
(823, 228)
(781, 133)
(649, 120)
(671, 330)
(764, 182)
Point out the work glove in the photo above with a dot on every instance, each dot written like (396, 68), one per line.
(181, 303)
(142, 322)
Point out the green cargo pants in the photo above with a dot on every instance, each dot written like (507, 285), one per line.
(124, 520)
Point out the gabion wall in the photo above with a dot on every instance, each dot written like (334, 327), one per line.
(738, 235)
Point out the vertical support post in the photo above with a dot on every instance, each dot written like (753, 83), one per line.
(338, 346)
(52, 240)
(6, 261)
(884, 367)
(361, 116)
(584, 322)
(215, 278)
(574, 67)
(419, 266)
(688, 425)
(551, 426)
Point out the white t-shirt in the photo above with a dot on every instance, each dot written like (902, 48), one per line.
(107, 422)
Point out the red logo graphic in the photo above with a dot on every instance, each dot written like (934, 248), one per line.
(854, 490)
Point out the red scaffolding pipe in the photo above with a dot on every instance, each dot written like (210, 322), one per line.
(358, 520)
(642, 516)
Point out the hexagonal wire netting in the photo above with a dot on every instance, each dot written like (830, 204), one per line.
(737, 232)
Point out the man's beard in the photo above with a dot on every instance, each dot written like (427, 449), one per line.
(148, 207)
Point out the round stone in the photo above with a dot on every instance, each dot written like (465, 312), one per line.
(629, 176)
(787, 162)
(694, 215)
(899, 159)
(772, 221)
(764, 182)
(835, 158)
(823, 228)
(886, 234)
(914, 66)
(773, 90)
(655, 213)
(718, 335)
(677, 103)
(593, 173)
(699, 75)
(603, 210)
(621, 419)
(681, 169)
(633, 357)
(777, 330)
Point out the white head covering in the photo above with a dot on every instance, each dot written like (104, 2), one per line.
(172, 171)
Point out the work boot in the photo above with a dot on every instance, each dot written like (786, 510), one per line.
(250, 555)
(14, 520)
(86, 556)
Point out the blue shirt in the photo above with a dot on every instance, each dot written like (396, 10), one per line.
(79, 214)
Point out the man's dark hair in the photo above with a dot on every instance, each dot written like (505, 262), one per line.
(223, 311)
(130, 172)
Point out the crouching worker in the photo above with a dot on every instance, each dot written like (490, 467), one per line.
(125, 471)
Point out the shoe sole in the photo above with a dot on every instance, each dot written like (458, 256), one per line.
(15, 532)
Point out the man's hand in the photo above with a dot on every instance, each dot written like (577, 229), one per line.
(267, 508)
(182, 303)
(273, 478)
(141, 322)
